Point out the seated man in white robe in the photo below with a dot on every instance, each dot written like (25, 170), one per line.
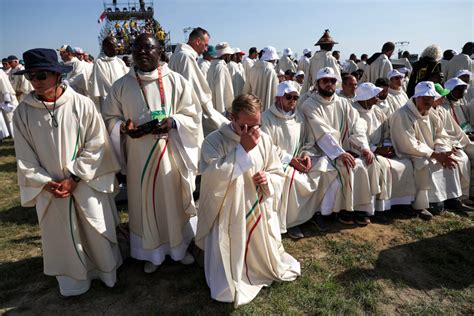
(66, 167)
(349, 86)
(382, 102)
(262, 80)
(465, 75)
(219, 79)
(106, 70)
(397, 97)
(305, 185)
(337, 130)
(161, 156)
(238, 226)
(422, 138)
(395, 176)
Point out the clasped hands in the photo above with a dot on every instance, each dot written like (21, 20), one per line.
(129, 128)
(61, 189)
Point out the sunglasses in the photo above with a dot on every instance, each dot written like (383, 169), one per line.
(39, 75)
(329, 80)
(290, 97)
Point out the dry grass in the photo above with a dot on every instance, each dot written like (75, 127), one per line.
(407, 266)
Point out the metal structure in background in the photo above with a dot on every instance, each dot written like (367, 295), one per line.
(126, 19)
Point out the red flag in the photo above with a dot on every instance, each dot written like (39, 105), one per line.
(102, 17)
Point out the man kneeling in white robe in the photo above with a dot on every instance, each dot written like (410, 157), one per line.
(66, 167)
(238, 224)
(421, 137)
(305, 184)
(395, 176)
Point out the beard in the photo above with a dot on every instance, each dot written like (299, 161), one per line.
(326, 93)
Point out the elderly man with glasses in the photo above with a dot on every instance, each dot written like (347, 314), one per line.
(340, 135)
(154, 111)
(66, 167)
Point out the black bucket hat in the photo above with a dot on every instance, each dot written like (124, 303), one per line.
(42, 59)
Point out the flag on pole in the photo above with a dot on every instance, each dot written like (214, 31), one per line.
(102, 17)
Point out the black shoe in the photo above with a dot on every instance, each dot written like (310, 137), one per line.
(457, 206)
(424, 214)
(380, 217)
(295, 232)
(436, 208)
(320, 222)
(361, 218)
(345, 217)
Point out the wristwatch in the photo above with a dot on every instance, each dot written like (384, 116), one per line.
(75, 178)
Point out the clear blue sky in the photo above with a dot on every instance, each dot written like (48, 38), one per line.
(359, 26)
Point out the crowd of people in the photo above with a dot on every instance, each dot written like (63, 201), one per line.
(268, 142)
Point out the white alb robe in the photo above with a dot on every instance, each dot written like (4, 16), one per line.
(160, 172)
(238, 225)
(19, 83)
(220, 82)
(78, 77)
(302, 193)
(396, 181)
(8, 104)
(378, 69)
(248, 63)
(183, 61)
(105, 72)
(285, 63)
(204, 65)
(262, 81)
(395, 100)
(335, 128)
(416, 137)
(237, 73)
(77, 232)
(459, 62)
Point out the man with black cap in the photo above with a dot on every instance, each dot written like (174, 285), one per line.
(321, 59)
(19, 83)
(107, 69)
(66, 168)
(155, 112)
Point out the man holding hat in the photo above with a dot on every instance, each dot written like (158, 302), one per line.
(161, 156)
(304, 184)
(21, 86)
(76, 78)
(183, 61)
(303, 62)
(262, 79)
(237, 71)
(205, 62)
(106, 70)
(249, 60)
(340, 135)
(66, 167)
(219, 79)
(420, 137)
(378, 65)
(396, 96)
(395, 179)
(286, 62)
(321, 59)
(238, 226)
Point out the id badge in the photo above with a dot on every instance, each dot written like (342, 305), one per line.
(159, 115)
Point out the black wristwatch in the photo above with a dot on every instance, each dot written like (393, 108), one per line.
(75, 178)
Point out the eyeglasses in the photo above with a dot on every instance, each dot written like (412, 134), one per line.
(39, 75)
(329, 80)
(290, 97)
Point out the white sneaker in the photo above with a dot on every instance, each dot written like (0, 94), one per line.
(150, 267)
(188, 259)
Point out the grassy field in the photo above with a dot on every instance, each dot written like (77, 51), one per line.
(406, 266)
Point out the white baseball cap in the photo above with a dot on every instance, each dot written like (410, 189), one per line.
(366, 91)
(327, 72)
(238, 50)
(299, 73)
(306, 50)
(425, 89)
(286, 87)
(269, 53)
(78, 50)
(394, 73)
(453, 83)
(404, 70)
(287, 52)
(223, 48)
(463, 72)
